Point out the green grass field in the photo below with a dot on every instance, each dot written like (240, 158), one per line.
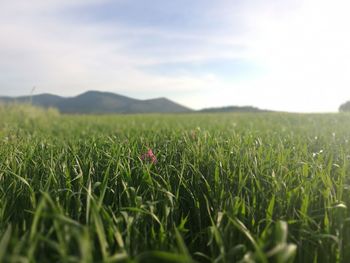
(225, 188)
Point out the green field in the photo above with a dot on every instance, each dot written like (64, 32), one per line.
(243, 187)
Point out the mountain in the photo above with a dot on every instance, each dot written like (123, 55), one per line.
(43, 100)
(96, 102)
(234, 109)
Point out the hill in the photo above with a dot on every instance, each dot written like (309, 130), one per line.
(96, 102)
(233, 109)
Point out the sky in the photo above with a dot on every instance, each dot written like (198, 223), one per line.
(290, 55)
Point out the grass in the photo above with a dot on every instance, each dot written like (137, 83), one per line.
(226, 187)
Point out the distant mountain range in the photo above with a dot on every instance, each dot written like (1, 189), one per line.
(96, 102)
(234, 109)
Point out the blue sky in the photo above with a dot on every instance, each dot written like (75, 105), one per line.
(289, 55)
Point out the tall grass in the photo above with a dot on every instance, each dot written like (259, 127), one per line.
(225, 188)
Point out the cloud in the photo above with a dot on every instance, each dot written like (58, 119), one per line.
(290, 56)
(57, 56)
(307, 56)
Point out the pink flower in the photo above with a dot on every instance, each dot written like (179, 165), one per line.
(149, 156)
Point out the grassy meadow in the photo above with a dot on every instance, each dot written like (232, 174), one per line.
(241, 187)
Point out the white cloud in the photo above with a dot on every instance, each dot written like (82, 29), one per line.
(68, 59)
(303, 45)
(307, 54)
